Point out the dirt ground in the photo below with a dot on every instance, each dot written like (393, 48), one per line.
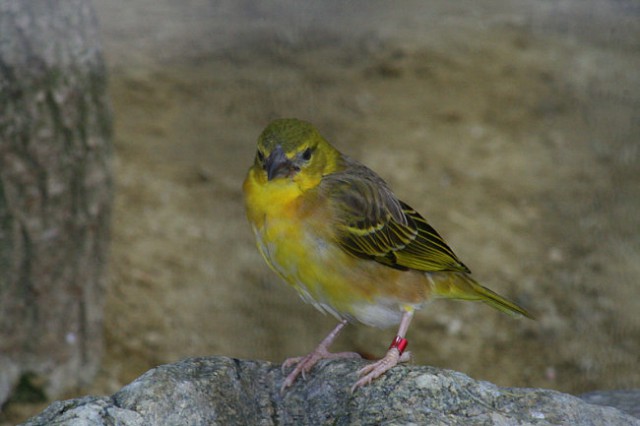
(513, 127)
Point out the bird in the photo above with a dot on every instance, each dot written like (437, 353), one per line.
(332, 228)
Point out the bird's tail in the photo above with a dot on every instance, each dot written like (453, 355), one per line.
(459, 285)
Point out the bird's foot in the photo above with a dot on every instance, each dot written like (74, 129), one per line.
(304, 364)
(378, 368)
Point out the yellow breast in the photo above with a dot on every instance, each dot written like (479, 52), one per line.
(292, 232)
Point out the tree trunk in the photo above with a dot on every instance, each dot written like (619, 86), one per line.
(55, 194)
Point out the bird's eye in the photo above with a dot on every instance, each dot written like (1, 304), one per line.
(260, 156)
(306, 154)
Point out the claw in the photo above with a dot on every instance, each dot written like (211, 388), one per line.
(304, 364)
(289, 362)
(395, 355)
(372, 371)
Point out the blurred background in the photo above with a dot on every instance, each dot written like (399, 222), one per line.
(512, 125)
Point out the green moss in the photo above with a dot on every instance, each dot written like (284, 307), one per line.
(28, 390)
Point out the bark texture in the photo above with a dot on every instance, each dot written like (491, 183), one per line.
(55, 194)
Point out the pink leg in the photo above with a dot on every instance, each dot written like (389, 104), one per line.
(394, 355)
(305, 363)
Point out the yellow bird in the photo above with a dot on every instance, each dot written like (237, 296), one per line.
(332, 229)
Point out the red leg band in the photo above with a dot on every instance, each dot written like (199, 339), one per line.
(399, 343)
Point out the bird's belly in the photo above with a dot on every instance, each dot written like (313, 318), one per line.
(337, 282)
(306, 263)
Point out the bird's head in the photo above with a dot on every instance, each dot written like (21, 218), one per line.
(293, 149)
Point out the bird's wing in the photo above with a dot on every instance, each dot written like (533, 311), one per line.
(373, 224)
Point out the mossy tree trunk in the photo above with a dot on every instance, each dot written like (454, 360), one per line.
(55, 193)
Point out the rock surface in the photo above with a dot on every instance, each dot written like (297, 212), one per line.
(627, 401)
(219, 390)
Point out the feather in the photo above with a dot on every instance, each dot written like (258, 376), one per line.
(371, 223)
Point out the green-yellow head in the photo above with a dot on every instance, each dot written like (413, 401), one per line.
(293, 149)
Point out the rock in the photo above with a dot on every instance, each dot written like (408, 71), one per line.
(627, 401)
(90, 410)
(219, 390)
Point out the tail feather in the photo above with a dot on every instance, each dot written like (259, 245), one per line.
(461, 286)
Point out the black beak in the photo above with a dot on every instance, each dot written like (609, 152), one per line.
(277, 164)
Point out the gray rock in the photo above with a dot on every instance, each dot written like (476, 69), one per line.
(627, 401)
(218, 390)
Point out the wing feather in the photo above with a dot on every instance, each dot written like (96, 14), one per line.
(373, 224)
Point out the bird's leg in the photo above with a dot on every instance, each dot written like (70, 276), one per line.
(305, 363)
(394, 355)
